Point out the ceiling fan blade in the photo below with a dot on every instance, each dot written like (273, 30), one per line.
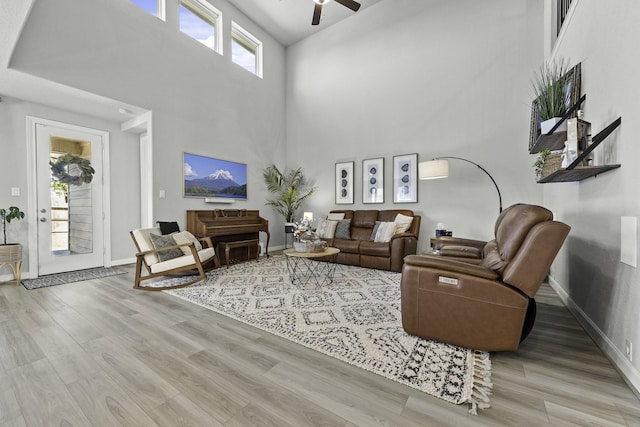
(353, 5)
(316, 14)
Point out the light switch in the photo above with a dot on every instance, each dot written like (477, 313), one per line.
(628, 240)
(163, 194)
(15, 191)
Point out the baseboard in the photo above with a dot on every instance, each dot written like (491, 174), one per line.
(124, 261)
(629, 373)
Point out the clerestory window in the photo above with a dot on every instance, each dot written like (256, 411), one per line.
(201, 21)
(246, 50)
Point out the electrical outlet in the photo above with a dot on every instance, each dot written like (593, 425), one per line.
(628, 350)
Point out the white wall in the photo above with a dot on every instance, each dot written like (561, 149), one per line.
(202, 103)
(602, 291)
(431, 77)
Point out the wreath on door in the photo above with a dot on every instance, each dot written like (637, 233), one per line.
(59, 169)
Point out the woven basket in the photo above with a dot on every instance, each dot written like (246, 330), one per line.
(552, 163)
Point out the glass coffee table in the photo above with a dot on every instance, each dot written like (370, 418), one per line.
(315, 267)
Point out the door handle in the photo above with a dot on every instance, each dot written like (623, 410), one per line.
(43, 219)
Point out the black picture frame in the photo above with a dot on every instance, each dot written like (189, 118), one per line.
(405, 178)
(344, 183)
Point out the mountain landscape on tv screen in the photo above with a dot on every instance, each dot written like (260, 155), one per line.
(218, 184)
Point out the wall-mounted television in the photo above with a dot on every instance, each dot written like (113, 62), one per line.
(208, 177)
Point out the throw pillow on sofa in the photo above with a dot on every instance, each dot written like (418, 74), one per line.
(327, 229)
(343, 229)
(184, 238)
(385, 232)
(335, 216)
(374, 231)
(403, 222)
(160, 242)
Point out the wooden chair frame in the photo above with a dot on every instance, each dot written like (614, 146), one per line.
(199, 266)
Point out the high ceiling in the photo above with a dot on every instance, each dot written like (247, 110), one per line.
(289, 21)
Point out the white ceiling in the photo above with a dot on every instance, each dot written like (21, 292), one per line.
(289, 21)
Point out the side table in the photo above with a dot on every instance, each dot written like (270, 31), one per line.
(305, 267)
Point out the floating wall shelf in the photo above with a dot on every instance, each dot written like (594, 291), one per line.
(573, 172)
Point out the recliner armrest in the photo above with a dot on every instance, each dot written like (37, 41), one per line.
(440, 242)
(443, 263)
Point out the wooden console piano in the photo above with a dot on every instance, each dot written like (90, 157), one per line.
(229, 225)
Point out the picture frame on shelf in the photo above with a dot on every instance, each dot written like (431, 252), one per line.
(344, 183)
(405, 178)
(373, 180)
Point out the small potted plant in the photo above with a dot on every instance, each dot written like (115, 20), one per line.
(551, 91)
(290, 188)
(10, 253)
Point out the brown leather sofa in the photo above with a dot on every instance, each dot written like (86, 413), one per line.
(483, 303)
(359, 250)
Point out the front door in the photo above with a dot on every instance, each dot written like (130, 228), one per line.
(69, 198)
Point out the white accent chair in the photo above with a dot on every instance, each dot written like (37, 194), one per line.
(148, 255)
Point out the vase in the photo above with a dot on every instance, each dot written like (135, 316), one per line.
(309, 242)
(547, 125)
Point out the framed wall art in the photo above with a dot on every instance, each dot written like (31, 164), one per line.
(208, 177)
(373, 180)
(344, 183)
(405, 178)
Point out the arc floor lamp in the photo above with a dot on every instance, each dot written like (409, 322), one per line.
(439, 168)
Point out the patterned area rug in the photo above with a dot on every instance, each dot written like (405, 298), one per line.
(356, 319)
(70, 277)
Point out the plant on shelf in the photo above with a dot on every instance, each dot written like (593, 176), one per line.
(552, 93)
(6, 215)
(539, 164)
(290, 188)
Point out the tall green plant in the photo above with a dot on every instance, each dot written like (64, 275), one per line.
(290, 188)
(551, 89)
(6, 215)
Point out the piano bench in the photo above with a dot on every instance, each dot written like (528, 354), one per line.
(227, 246)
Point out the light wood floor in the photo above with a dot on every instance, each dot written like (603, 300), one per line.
(98, 353)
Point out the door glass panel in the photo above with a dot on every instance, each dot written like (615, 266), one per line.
(71, 210)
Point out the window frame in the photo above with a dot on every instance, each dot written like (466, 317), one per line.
(160, 9)
(249, 42)
(207, 12)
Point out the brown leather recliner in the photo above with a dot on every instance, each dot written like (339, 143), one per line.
(489, 305)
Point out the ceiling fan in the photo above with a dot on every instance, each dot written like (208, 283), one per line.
(353, 5)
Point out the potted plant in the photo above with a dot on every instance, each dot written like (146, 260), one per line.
(552, 94)
(10, 253)
(290, 188)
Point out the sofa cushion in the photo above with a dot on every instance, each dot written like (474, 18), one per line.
(403, 222)
(327, 229)
(347, 245)
(375, 249)
(374, 231)
(385, 232)
(160, 242)
(364, 219)
(343, 229)
(336, 216)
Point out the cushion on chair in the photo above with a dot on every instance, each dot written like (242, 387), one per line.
(184, 238)
(204, 255)
(160, 242)
(143, 240)
(168, 227)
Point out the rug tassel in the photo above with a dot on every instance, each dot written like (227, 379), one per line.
(482, 384)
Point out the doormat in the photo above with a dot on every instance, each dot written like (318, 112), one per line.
(356, 319)
(70, 277)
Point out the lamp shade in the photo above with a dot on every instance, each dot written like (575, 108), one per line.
(433, 169)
